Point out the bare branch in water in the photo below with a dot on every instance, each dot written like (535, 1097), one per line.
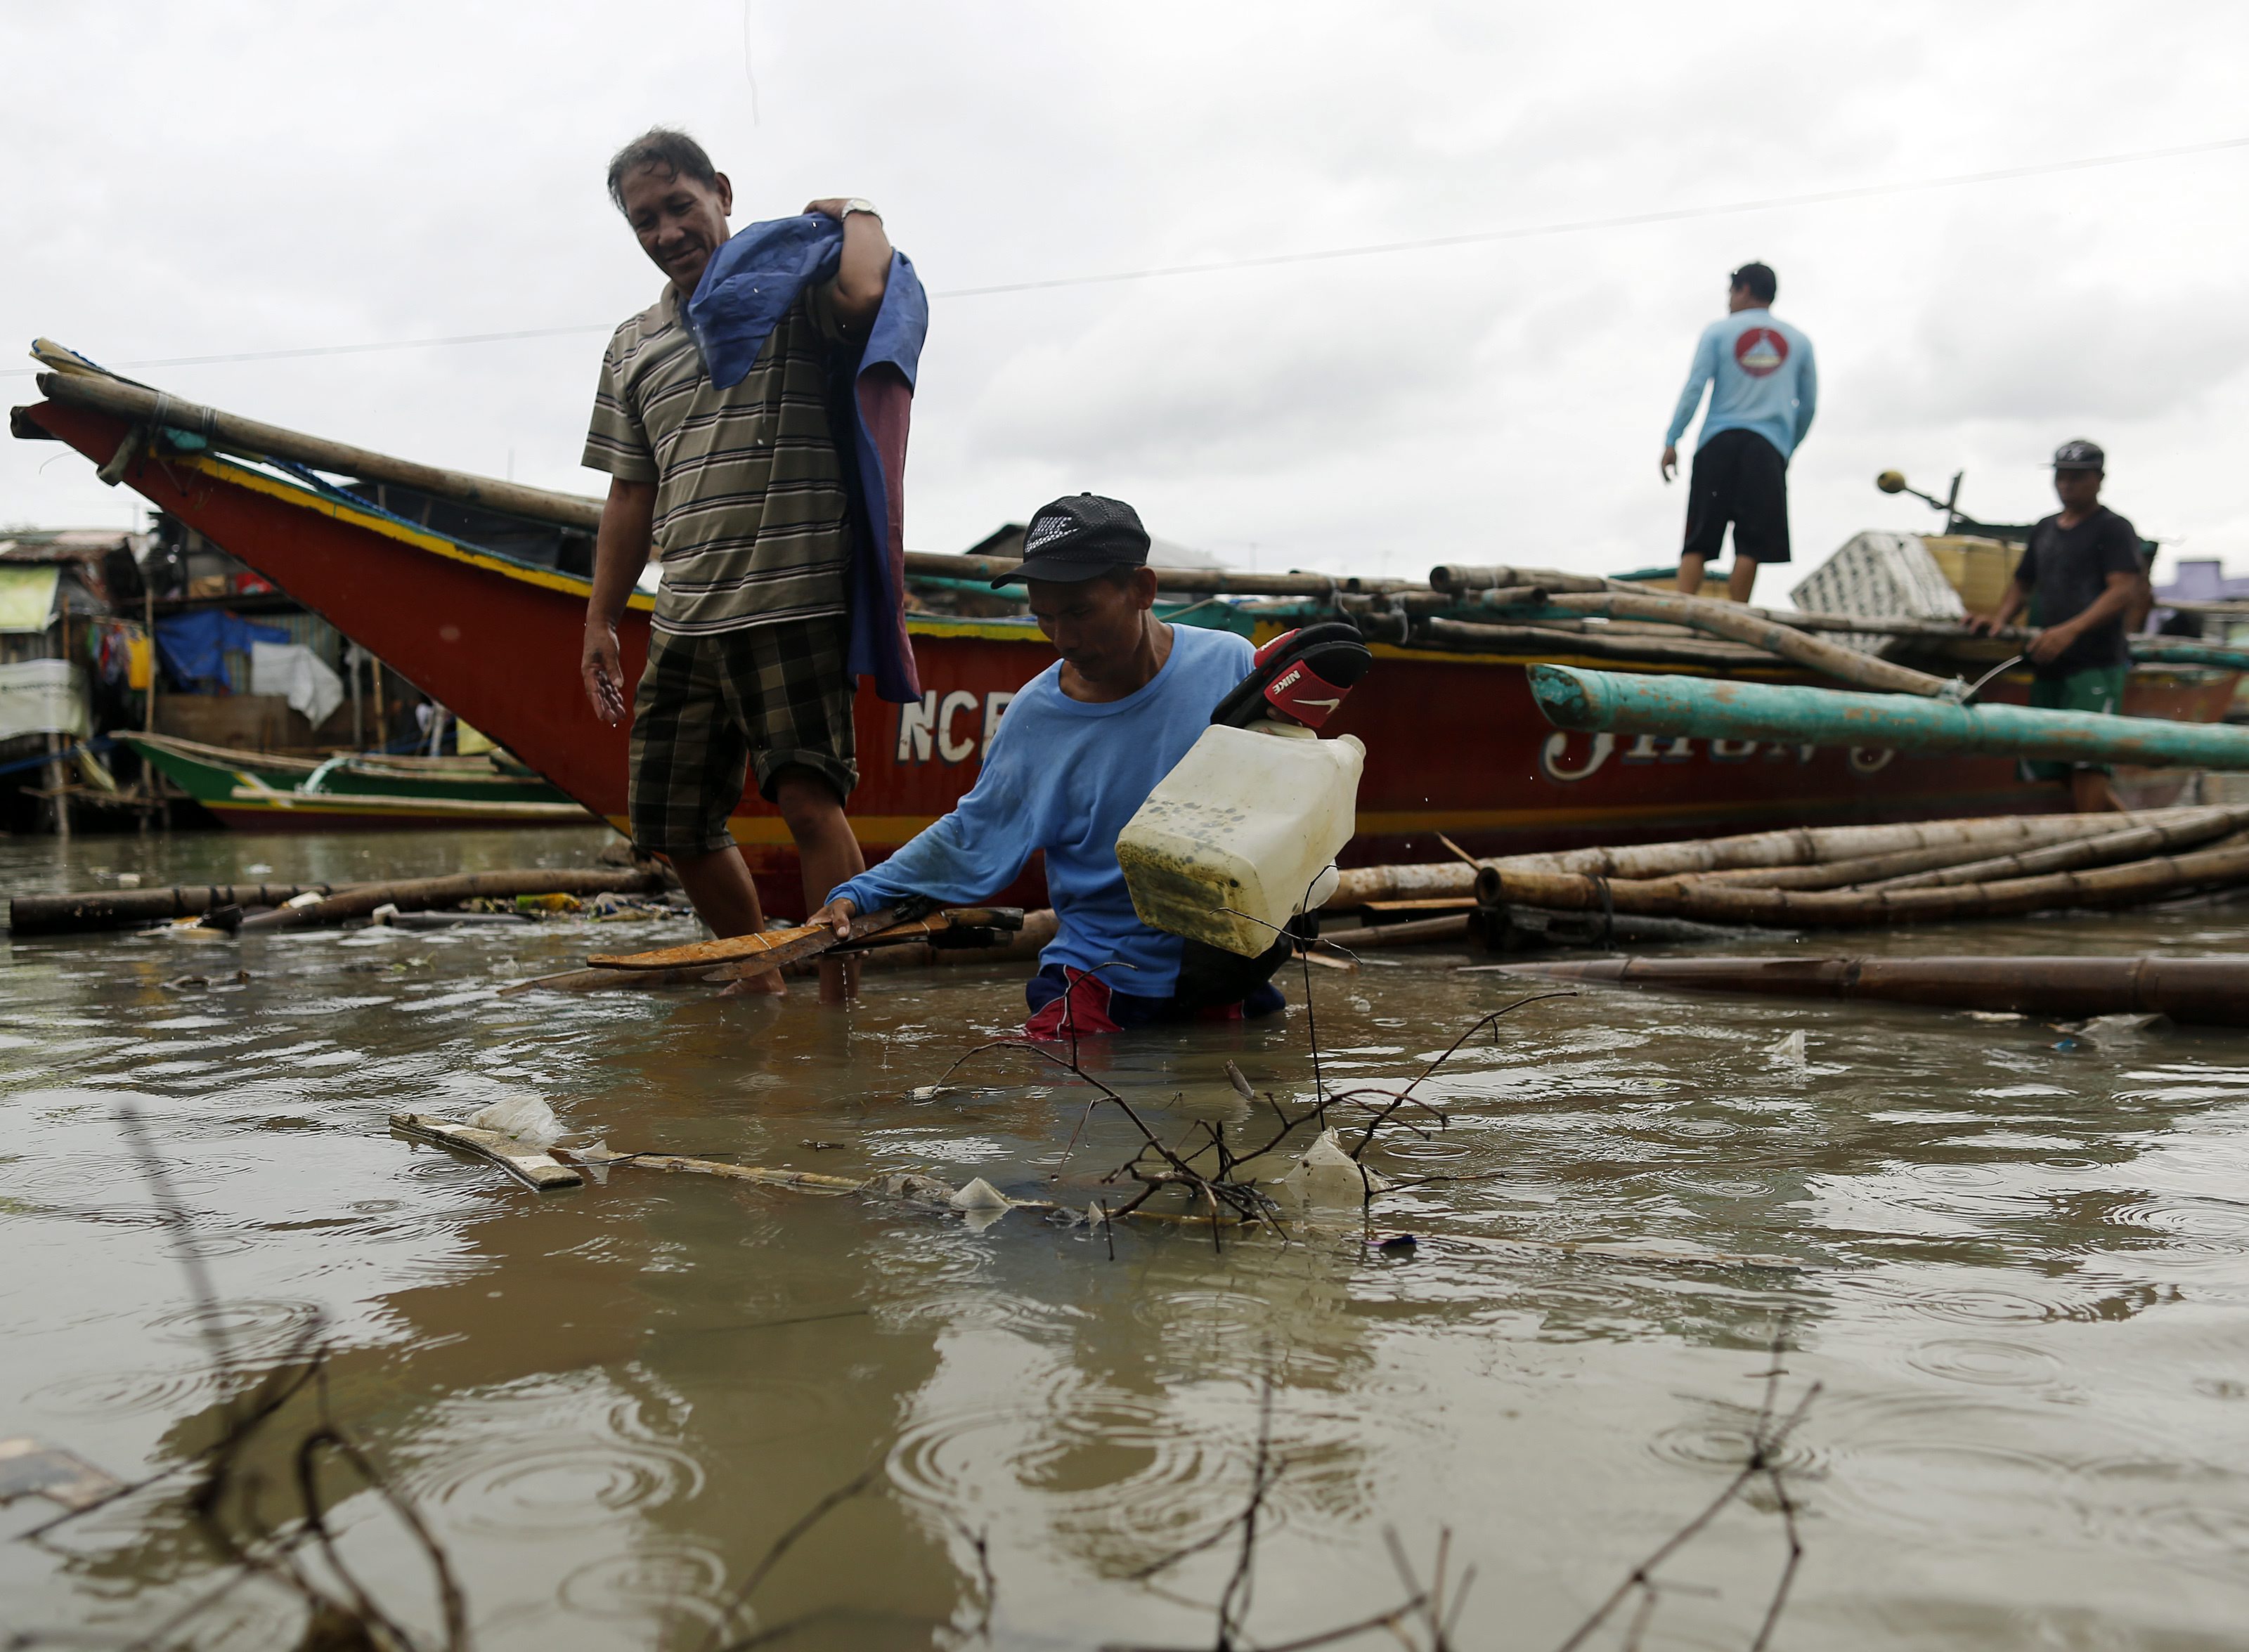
(224, 1499)
(781, 1546)
(1768, 1442)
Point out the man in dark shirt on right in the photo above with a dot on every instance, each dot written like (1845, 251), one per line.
(2077, 575)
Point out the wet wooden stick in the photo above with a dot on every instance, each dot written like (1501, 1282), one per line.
(536, 1168)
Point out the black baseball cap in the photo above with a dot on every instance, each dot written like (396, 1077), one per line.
(2080, 456)
(1077, 537)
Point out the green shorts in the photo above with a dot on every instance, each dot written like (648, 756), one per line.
(2101, 689)
(709, 707)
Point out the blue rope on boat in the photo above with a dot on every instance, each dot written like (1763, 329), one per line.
(99, 744)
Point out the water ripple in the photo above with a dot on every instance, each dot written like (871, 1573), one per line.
(656, 1583)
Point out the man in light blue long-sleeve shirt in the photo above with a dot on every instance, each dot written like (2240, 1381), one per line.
(1763, 388)
(1084, 744)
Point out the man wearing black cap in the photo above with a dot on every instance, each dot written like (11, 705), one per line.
(2079, 574)
(1763, 390)
(1081, 747)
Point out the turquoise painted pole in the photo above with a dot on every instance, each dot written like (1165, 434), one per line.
(2190, 654)
(1708, 709)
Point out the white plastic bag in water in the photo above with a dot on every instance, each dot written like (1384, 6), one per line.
(1327, 1174)
(522, 1114)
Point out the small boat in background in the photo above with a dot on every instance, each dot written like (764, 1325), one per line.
(267, 791)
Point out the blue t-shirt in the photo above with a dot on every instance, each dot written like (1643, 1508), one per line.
(1761, 377)
(1064, 775)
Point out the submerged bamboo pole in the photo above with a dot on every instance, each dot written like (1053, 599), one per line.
(2201, 992)
(2133, 882)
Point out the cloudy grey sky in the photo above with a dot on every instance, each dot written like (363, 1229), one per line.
(231, 178)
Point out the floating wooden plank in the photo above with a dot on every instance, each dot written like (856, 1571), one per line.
(768, 949)
(536, 1168)
(802, 1180)
(1036, 930)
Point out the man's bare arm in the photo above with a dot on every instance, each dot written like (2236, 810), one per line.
(864, 271)
(2050, 642)
(621, 549)
(2009, 605)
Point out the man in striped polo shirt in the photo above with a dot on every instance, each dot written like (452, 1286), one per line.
(741, 494)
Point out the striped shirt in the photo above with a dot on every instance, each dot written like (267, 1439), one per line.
(751, 521)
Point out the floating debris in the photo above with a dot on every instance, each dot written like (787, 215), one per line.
(980, 1195)
(534, 1169)
(915, 1190)
(1328, 1175)
(523, 1116)
(28, 1469)
(2104, 1030)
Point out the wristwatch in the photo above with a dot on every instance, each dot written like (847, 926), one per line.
(859, 204)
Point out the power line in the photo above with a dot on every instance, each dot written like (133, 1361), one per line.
(336, 349)
(1324, 255)
(1577, 226)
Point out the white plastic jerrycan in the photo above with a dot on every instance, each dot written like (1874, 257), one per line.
(1247, 823)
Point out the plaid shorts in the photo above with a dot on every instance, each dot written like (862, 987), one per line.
(709, 706)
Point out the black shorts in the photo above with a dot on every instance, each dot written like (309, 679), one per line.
(1738, 477)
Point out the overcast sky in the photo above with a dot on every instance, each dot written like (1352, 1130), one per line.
(225, 178)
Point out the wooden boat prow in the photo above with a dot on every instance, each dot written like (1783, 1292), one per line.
(1456, 748)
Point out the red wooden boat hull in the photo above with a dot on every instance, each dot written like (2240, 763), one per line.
(1454, 743)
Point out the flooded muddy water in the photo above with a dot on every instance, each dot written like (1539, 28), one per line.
(2020, 1266)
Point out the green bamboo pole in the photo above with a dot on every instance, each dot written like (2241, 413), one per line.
(1701, 707)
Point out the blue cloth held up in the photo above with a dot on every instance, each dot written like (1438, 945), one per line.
(745, 290)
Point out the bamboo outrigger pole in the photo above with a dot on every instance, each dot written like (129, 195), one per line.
(79, 383)
(1629, 702)
(2129, 884)
(1969, 838)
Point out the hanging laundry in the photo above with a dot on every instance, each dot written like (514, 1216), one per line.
(300, 676)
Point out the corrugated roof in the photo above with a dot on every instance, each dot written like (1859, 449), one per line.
(69, 544)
